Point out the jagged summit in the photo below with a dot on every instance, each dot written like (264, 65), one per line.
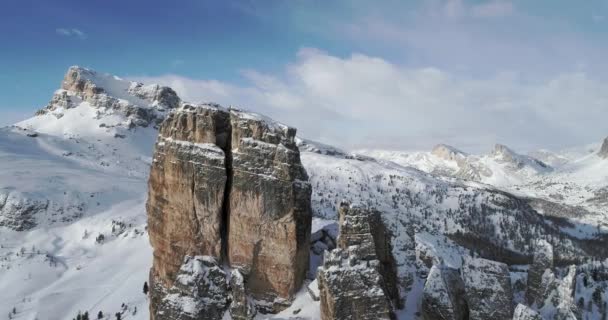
(507, 155)
(604, 149)
(448, 152)
(90, 103)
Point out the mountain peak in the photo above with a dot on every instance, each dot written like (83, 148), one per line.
(502, 150)
(448, 152)
(105, 102)
(604, 149)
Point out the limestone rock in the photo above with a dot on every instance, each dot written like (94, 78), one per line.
(230, 184)
(543, 260)
(604, 149)
(351, 287)
(199, 292)
(142, 105)
(240, 308)
(187, 187)
(557, 300)
(443, 295)
(488, 289)
(363, 227)
(523, 312)
(270, 214)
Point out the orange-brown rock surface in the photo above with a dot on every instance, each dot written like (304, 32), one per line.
(230, 185)
(269, 220)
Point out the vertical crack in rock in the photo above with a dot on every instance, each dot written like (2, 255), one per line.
(239, 176)
(225, 222)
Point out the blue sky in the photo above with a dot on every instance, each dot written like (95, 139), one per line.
(272, 56)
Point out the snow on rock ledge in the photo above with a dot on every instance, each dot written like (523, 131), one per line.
(199, 292)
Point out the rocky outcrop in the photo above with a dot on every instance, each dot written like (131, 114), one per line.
(449, 153)
(187, 187)
(487, 289)
(557, 300)
(523, 312)
(351, 287)
(543, 260)
(142, 105)
(19, 213)
(240, 308)
(443, 297)
(198, 292)
(269, 218)
(363, 227)
(604, 149)
(230, 184)
(358, 279)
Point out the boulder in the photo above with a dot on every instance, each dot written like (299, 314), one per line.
(487, 289)
(443, 297)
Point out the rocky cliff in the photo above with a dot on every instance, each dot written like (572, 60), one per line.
(230, 185)
(358, 280)
(142, 105)
(604, 149)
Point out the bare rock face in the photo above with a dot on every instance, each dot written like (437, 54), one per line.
(557, 300)
(199, 292)
(240, 308)
(543, 260)
(523, 312)
(352, 287)
(143, 105)
(443, 297)
(270, 215)
(230, 185)
(187, 187)
(488, 289)
(604, 149)
(363, 227)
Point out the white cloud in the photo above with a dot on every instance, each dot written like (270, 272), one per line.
(71, 32)
(364, 101)
(495, 8)
(598, 18)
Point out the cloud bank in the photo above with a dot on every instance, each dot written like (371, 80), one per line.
(71, 32)
(362, 101)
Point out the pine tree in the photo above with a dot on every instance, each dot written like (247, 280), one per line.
(85, 316)
(146, 288)
(118, 316)
(100, 315)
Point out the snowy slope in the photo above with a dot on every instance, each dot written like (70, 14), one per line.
(79, 170)
(68, 175)
(501, 167)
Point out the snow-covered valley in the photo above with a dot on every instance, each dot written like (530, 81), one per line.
(73, 225)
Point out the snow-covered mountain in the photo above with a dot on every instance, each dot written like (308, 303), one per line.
(73, 182)
(72, 193)
(501, 167)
